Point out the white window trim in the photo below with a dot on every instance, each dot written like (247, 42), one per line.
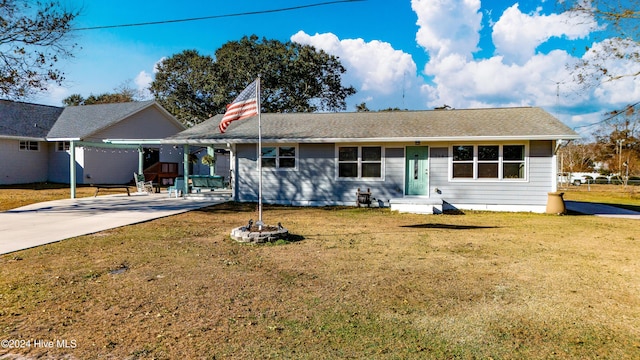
(359, 178)
(278, 168)
(27, 145)
(501, 163)
(66, 146)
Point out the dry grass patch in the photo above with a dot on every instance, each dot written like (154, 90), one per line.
(359, 283)
(14, 196)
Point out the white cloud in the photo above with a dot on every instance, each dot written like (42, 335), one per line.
(53, 96)
(516, 35)
(157, 63)
(516, 75)
(374, 68)
(143, 81)
(448, 26)
(492, 82)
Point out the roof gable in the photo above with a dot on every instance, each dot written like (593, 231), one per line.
(79, 122)
(24, 120)
(503, 123)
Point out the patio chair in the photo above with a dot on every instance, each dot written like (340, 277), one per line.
(177, 187)
(141, 184)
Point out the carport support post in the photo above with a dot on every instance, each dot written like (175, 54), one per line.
(211, 152)
(185, 165)
(72, 168)
(140, 159)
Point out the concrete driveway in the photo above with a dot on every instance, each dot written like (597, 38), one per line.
(603, 210)
(52, 221)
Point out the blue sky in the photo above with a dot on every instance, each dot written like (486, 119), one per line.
(414, 54)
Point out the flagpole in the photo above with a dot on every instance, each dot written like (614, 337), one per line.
(260, 223)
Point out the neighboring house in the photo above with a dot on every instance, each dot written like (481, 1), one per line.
(418, 161)
(35, 141)
(23, 147)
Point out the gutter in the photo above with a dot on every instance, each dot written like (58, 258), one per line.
(368, 140)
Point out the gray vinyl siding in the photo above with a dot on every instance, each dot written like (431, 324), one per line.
(314, 182)
(533, 191)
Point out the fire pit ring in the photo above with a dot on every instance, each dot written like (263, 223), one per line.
(259, 235)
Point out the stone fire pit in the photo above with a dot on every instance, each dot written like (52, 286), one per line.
(253, 234)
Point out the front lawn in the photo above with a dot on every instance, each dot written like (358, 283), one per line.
(357, 283)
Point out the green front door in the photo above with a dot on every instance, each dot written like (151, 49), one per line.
(417, 170)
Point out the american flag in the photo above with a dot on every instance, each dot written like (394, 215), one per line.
(244, 106)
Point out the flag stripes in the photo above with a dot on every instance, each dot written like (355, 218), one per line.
(244, 106)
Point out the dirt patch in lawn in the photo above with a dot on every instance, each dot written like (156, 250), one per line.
(358, 283)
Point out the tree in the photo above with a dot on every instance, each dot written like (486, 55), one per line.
(122, 94)
(34, 36)
(294, 78)
(617, 23)
(577, 157)
(362, 107)
(185, 85)
(618, 142)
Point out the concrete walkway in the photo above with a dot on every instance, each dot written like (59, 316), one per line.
(603, 210)
(52, 221)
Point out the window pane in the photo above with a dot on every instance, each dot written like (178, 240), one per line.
(348, 153)
(287, 162)
(488, 153)
(269, 162)
(371, 170)
(462, 153)
(288, 151)
(513, 152)
(464, 170)
(488, 170)
(348, 170)
(371, 153)
(268, 152)
(513, 171)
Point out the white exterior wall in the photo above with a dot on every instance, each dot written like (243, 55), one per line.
(116, 166)
(22, 167)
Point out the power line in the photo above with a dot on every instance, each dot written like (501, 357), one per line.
(217, 16)
(613, 115)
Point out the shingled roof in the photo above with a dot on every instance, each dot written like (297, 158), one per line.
(523, 123)
(20, 120)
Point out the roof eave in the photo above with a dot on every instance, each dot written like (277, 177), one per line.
(22, 138)
(63, 139)
(372, 140)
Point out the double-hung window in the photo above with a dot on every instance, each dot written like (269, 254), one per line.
(463, 161)
(29, 146)
(279, 157)
(355, 162)
(488, 162)
(513, 162)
